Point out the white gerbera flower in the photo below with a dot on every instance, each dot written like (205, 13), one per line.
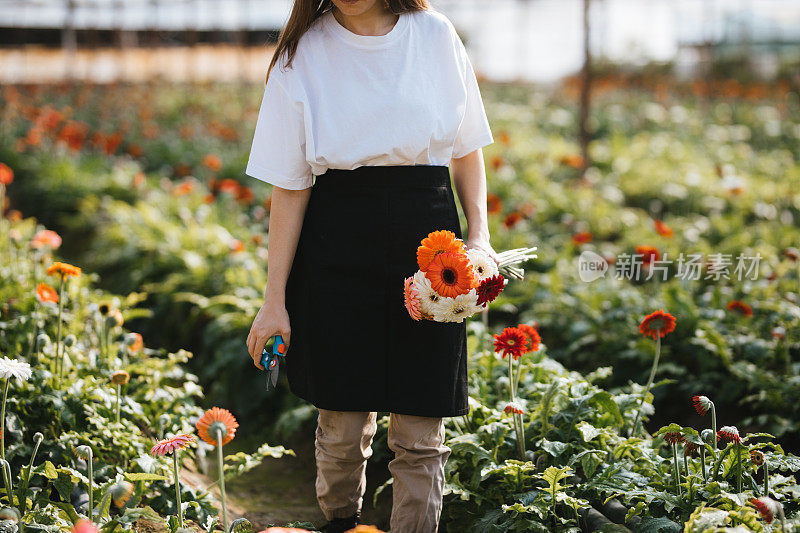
(482, 263)
(456, 309)
(13, 368)
(428, 298)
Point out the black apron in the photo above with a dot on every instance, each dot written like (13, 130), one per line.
(353, 346)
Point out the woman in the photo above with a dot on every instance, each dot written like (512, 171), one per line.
(375, 99)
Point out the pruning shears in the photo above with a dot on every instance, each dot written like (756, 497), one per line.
(271, 362)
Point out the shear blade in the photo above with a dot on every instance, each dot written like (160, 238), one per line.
(274, 374)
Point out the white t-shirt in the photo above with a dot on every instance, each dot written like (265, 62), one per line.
(408, 97)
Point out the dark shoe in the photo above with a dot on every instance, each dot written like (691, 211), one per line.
(340, 525)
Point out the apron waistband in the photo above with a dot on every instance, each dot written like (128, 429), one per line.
(386, 176)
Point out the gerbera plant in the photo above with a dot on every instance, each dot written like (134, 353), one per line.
(703, 404)
(655, 325)
(174, 445)
(514, 342)
(9, 368)
(218, 427)
(118, 379)
(63, 271)
(454, 283)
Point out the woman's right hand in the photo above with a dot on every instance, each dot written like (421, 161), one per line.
(271, 319)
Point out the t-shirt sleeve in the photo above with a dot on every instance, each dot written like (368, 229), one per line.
(474, 131)
(277, 155)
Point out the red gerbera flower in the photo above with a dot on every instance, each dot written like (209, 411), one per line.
(513, 407)
(764, 508)
(657, 324)
(533, 336)
(582, 237)
(493, 204)
(511, 341)
(701, 404)
(674, 437)
(690, 449)
(490, 288)
(729, 433)
(757, 457)
(741, 307)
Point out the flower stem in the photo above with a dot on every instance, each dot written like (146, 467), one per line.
(3, 422)
(511, 389)
(521, 437)
(766, 479)
(7, 480)
(60, 309)
(703, 462)
(221, 465)
(714, 426)
(738, 467)
(178, 487)
(516, 378)
(677, 472)
(90, 471)
(649, 384)
(118, 396)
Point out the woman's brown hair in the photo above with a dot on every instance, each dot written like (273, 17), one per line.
(305, 12)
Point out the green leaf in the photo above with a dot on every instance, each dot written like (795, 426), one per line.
(64, 485)
(588, 431)
(605, 400)
(554, 448)
(657, 525)
(552, 476)
(49, 470)
(143, 476)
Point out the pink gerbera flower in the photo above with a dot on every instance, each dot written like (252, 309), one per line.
(411, 298)
(178, 442)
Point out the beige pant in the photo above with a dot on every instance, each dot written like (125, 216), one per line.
(343, 445)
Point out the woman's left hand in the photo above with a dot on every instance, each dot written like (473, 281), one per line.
(482, 243)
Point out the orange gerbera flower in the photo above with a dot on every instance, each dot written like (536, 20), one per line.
(450, 274)
(657, 324)
(740, 307)
(46, 293)
(6, 174)
(137, 344)
(663, 229)
(533, 336)
(184, 187)
(213, 162)
(437, 242)
(493, 204)
(228, 185)
(63, 269)
(46, 238)
(511, 341)
(217, 419)
(648, 253)
(120, 377)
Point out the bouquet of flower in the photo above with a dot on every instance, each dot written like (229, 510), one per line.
(454, 283)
